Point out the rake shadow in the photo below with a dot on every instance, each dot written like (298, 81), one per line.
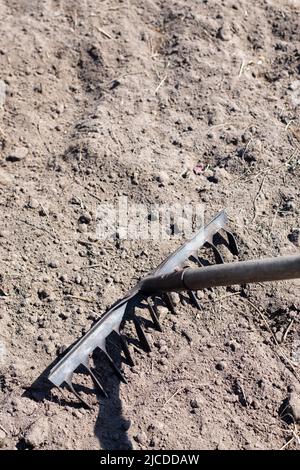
(110, 427)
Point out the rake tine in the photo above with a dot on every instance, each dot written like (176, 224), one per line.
(126, 350)
(154, 316)
(115, 368)
(142, 337)
(194, 299)
(196, 258)
(169, 302)
(96, 381)
(232, 243)
(218, 257)
(71, 387)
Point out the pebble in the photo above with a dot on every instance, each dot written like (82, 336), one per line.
(37, 433)
(233, 345)
(175, 298)
(194, 403)
(294, 237)
(162, 310)
(164, 350)
(221, 365)
(18, 154)
(5, 178)
(255, 404)
(141, 438)
(52, 264)
(65, 314)
(294, 406)
(295, 85)
(43, 294)
(77, 414)
(224, 33)
(82, 228)
(33, 203)
(162, 178)
(85, 219)
(49, 347)
(43, 212)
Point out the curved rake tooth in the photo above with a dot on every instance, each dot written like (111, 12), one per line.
(229, 241)
(232, 244)
(102, 346)
(71, 387)
(115, 368)
(126, 351)
(142, 337)
(218, 257)
(194, 299)
(196, 259)
(169, 302)
(154, 316)
(96, 381)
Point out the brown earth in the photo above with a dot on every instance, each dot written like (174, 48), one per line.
(107, 98)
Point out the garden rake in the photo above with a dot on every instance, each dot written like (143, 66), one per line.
(171, 275)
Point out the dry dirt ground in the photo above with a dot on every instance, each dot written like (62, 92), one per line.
(107, 98)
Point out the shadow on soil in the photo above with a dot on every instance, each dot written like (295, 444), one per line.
(110, 427)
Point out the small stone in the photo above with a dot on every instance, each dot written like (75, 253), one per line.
(43, 294)
(63, 278)
(52, 264)
(18, 154)
(194, 403)
(224, 33)
(294, 406)
(141, 438)
(50, 347)
(162, 178)
(43, 212)
(77, 414)
(255, 404)
(221, 365)
(295, 85)
(33, 203)
(65, 314)
(163, 350)
(162, 310)
(163, 361)
(82, 228)
(233, 345)
(278, 336)
(85, 219)
(294, 237)
(175, 298)
(5, 178)
(38, 433)
(135, 178)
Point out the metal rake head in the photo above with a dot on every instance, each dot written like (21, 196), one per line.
(210, 236)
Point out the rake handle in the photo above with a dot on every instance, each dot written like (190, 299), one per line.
(241, 272)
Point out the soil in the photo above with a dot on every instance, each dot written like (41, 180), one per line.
(164, 102)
